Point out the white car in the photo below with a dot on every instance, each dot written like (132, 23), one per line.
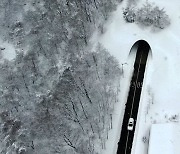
(130, 124)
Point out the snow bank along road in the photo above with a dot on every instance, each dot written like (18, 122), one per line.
(126, 138)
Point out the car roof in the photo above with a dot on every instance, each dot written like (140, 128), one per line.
(131, 119)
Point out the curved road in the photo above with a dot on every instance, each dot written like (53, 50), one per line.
(132, 105)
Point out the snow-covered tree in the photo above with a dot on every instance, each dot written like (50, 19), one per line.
(147, 15)
(57, 95)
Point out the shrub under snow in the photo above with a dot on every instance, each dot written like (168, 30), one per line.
(147, 15)
(129, 15)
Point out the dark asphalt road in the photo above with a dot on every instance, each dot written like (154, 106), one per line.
(132, 105)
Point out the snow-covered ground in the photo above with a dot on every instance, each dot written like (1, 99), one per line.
(169, 134)
(160, 99)
(7, 50)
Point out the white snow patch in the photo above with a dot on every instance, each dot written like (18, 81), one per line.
(164, 138)
(8, 51)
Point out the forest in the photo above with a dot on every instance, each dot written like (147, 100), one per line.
(57, 96)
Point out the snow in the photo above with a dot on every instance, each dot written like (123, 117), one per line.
(164, 138)
(114, 134)
(160, 101)
(160, 98)
(9, 51)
